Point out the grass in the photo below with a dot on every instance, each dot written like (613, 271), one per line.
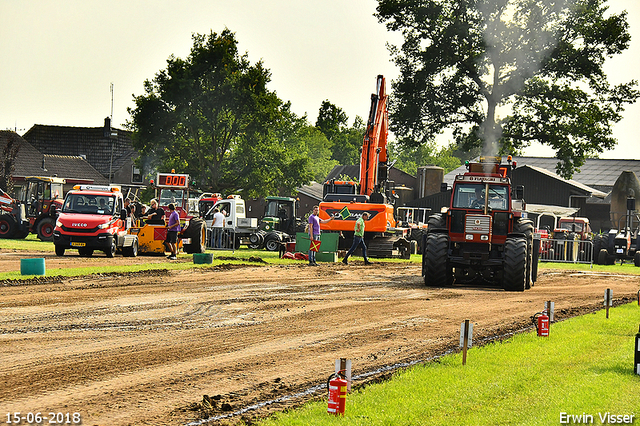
(585, 366)
(242, 255)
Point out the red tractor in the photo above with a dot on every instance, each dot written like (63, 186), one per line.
(481, 237)
(35, 212)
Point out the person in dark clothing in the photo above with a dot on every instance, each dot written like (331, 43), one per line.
(155, 214)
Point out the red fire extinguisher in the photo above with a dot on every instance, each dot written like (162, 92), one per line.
(541, 321)
(337, 385)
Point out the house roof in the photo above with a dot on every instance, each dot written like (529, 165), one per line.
(591, 191)
(30, 162)
(596, 173)
(313, 190)
(106, 153)
(73, 168)
(28, 159)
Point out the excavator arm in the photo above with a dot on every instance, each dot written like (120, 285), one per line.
(374, 146)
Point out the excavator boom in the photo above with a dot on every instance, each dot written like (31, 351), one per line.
(374, 146)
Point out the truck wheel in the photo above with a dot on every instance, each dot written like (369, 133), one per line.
(436, 269)
(45, 229)
(112, 250)
(7, 226)
(60, 250)
(131, 251)
(515, 264)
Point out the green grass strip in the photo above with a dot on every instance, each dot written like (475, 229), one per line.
(585, 367)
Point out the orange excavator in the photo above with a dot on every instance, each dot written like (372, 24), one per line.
(346, 201)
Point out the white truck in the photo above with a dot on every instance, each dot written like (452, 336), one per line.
(237, 226)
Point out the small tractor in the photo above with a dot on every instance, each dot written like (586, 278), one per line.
(484, 235)
(621, 243)
(278, 225)
(571, 240)
(35, 212)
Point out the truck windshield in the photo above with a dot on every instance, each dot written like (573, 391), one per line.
(472, 196)
(175, 196)
(89, 204)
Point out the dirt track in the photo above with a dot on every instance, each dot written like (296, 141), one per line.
(143, 349)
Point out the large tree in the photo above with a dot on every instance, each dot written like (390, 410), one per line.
(505, 73)
(345, 142)
(211, 115)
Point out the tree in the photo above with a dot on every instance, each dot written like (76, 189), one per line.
(212, 116)
(345, 142)
(463, 62)
(408, 159)
(8, 164)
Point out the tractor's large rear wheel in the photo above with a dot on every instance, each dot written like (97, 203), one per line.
(515, 264)
(196, 231)
(435, 261)
(7, 226)
(525, 227)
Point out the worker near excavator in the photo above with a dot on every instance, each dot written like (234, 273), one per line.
(314, 232)
(358, 240)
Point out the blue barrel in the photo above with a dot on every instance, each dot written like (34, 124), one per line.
(32, 266)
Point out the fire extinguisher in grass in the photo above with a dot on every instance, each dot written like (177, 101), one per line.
(337, 385)
(541, 321)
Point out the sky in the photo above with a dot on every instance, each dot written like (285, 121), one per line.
(60, 59)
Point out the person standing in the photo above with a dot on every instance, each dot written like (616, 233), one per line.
(173, 227)
(314, 232)
(358, 239)
(218, 227)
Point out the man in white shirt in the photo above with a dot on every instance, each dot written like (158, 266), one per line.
(218, 228)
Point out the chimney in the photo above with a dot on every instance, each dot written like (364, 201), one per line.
(107, 127)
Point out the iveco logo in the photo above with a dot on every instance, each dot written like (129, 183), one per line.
(79, 225)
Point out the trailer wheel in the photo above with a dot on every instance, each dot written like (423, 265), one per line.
(436, 267)
(60, 250)
(131, 251)
(7, 226)
(45, 229)
(515, 264)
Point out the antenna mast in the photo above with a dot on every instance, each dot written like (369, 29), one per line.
(111, 101)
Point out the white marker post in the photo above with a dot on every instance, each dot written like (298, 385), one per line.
(344, 364)
(550, 307)
(608, 300)
(466, 337)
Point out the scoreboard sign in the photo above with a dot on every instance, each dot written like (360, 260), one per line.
(172, 180)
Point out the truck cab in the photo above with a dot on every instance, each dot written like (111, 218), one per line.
(236, 221)
(93, 218)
